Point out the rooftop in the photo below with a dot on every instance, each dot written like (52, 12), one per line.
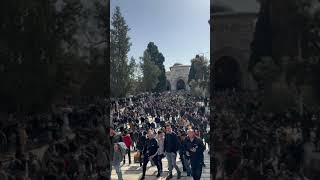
(177, 64)
(180, 65)
(218, 6)
(223, 6)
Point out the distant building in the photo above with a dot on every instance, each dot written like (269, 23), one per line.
(232, 34)
(177, 77)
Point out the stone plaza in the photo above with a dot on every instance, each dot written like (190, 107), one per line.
(134, 171)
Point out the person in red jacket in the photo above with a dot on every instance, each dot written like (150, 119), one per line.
(128, 142)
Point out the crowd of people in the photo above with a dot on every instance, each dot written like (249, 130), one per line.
(161, 125)
(253, 144)
(247, 143)
(74, 142)
(75, 148)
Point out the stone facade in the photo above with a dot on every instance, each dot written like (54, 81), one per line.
(231, 36)
(178, 75)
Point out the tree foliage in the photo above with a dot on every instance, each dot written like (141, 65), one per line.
(261, 45)
(199, 69)
(266, 71)
(35, 44)
(158, 59)
(119, 49)
(290, 35)
(47, 52)
(151, 72)
(96, 45)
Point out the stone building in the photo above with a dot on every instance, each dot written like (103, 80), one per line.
(231, 35)
(177, 77)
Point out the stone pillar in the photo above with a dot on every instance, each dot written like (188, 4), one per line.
(173, 85)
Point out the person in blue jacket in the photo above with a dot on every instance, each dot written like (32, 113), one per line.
(195, 149)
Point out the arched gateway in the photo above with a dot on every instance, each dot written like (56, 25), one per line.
(227, 73)
(181, 85)
(177, 77)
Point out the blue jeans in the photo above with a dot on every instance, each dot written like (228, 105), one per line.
(196, 169)
(155, 159)
(117, 167)
(172, 162)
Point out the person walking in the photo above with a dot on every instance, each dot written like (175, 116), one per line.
(140, 145)
(183, 149)
(114, 138)
(195, 149)
(117, 158)
(150, 152)
(171, 146)
(135, 139)
(160, 139)
(181, 136)
(128, 141)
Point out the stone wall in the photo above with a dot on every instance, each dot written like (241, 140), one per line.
(231, 36)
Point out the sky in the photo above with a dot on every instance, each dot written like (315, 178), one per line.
(179, 28)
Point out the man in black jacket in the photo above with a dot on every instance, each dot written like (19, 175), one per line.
(140, 145)
(171, 146)
(195, 149)
(182, 152)
(150, 152)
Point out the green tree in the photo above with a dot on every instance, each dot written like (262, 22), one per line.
(158, 60)
(151, 72)
(132, 68)
(96, 45)
(36, 42)
(261, 45)
(295, 33)
(132, 75)
(199, 69)
(266, 71)
(119, 48)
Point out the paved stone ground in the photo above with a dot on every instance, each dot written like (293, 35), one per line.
(134, 171)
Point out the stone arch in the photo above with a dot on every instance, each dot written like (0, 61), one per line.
(235, 59)
(227, 73)
(231, 52)
(180, 84)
